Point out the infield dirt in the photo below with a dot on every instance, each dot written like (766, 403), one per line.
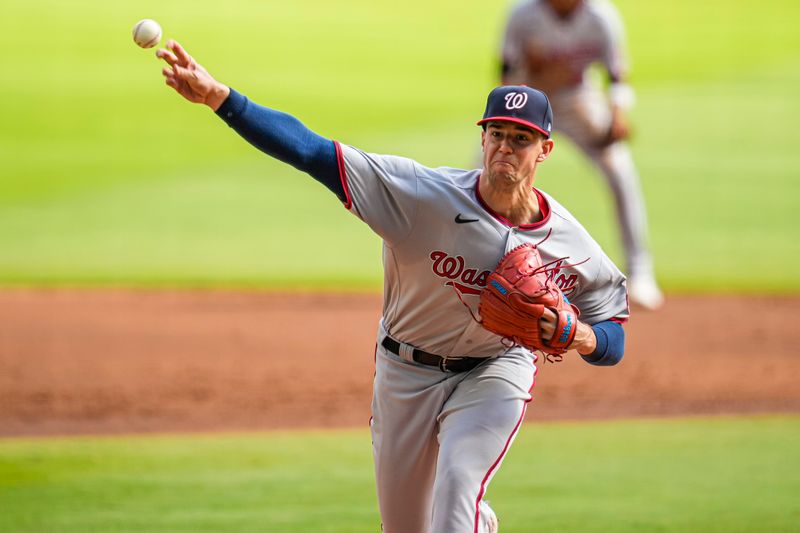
(125, 361)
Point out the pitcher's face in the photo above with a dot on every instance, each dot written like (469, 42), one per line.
(512, 151)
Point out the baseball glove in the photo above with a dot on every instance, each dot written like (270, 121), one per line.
(515, 297)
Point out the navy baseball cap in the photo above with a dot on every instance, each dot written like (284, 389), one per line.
(522, 105)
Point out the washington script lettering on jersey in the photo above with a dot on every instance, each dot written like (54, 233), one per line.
(469, 281)
(452, 268)
(566, 282)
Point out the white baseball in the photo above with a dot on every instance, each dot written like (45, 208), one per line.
(147, 33)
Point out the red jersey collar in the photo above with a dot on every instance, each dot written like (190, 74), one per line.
(544, 209)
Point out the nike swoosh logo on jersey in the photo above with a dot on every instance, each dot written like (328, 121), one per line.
(460, 220)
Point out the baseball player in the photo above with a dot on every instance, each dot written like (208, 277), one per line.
(550, 44)
(449, 395)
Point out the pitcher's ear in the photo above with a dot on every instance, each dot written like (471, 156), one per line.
(547, 148)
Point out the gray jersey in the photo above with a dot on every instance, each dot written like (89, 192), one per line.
(440, 238)
(593, 33)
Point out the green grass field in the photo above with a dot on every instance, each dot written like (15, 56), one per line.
(108, 178)
(692, 475)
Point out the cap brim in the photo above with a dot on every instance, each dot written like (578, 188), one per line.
(520, 121)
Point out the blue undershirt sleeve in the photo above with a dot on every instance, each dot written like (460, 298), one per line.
(285, 138)
(610, 344)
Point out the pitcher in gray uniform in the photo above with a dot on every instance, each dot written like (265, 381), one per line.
(550, 44)
(449, 396)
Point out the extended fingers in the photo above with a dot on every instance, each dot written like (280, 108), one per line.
(167, 56)
(169, 77)
(168, 73)
(184, 59)
(174, 54)
(179, 73)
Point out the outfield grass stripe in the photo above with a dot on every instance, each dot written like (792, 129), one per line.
(109, 179)
(684, 475)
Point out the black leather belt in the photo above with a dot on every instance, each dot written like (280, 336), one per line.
(445, 364)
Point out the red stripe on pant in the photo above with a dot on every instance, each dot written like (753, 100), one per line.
(500, 458)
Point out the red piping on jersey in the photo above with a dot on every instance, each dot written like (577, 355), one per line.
(619, 321)
(482, 491)
(515, 121)
(544, 209)
(348, 200)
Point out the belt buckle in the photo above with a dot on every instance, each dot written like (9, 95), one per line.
(443, 362)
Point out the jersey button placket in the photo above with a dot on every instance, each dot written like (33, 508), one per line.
(512, 239)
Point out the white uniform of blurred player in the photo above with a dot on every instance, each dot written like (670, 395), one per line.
(550, 45)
